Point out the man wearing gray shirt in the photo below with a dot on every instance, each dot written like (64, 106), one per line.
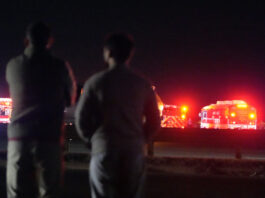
(117, 114)
(41, 86)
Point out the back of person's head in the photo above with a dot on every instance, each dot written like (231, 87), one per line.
(121, 46)
(38, 34)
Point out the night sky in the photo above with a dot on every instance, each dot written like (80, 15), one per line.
(194, 54)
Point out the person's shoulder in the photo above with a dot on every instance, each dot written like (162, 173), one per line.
(58, 61)
(96, 78)
(141, 78)
(15, 60)
(61, 65)
(99, 76)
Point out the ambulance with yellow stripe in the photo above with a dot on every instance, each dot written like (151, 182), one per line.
(172, 116)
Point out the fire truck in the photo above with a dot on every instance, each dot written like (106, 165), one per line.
(232, 114)
(5, 110)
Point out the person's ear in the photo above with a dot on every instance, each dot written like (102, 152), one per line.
(111, 54)
(26, 42)
(50, 43)
(105, 54)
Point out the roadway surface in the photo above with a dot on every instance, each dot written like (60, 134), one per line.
(162, 149)
(183, 144)
(171, 184)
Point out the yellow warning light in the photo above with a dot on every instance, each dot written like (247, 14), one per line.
(161, 107)
(184, 108)
(183, 116)
(242, 106)
(252, 116)
(208, 107)
(233, 114)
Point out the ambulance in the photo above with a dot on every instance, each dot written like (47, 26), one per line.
(172, 116)
(5, 110)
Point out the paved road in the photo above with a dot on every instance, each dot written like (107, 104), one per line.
(175, 150)
(168, 149)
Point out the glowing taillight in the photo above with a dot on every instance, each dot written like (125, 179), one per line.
(252, 116)
(184, 108)
(233, 115)
(242, 106)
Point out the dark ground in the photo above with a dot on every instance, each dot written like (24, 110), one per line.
(173, 177)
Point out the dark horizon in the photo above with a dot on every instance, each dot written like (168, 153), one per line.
(194, 54)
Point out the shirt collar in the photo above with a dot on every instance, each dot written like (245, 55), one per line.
(31, 50)
(119, 66)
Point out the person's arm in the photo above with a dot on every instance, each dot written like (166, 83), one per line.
(85, 115)
(9, 71)
(152, 116)
(70, 86)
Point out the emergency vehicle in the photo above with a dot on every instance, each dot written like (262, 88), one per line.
(232, 114)
(5, 110)
(172, 116)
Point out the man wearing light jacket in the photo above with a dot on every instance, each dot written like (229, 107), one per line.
(117, 114)
(41, 86)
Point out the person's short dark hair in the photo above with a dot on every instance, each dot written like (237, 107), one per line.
(38, 33)
(121, 45)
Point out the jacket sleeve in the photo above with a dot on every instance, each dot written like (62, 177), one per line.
(9, 71)
(152, 116)
(85, 114)
(70, 86)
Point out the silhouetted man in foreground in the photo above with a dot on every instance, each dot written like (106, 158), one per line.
(110, 115)
(40, 86)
